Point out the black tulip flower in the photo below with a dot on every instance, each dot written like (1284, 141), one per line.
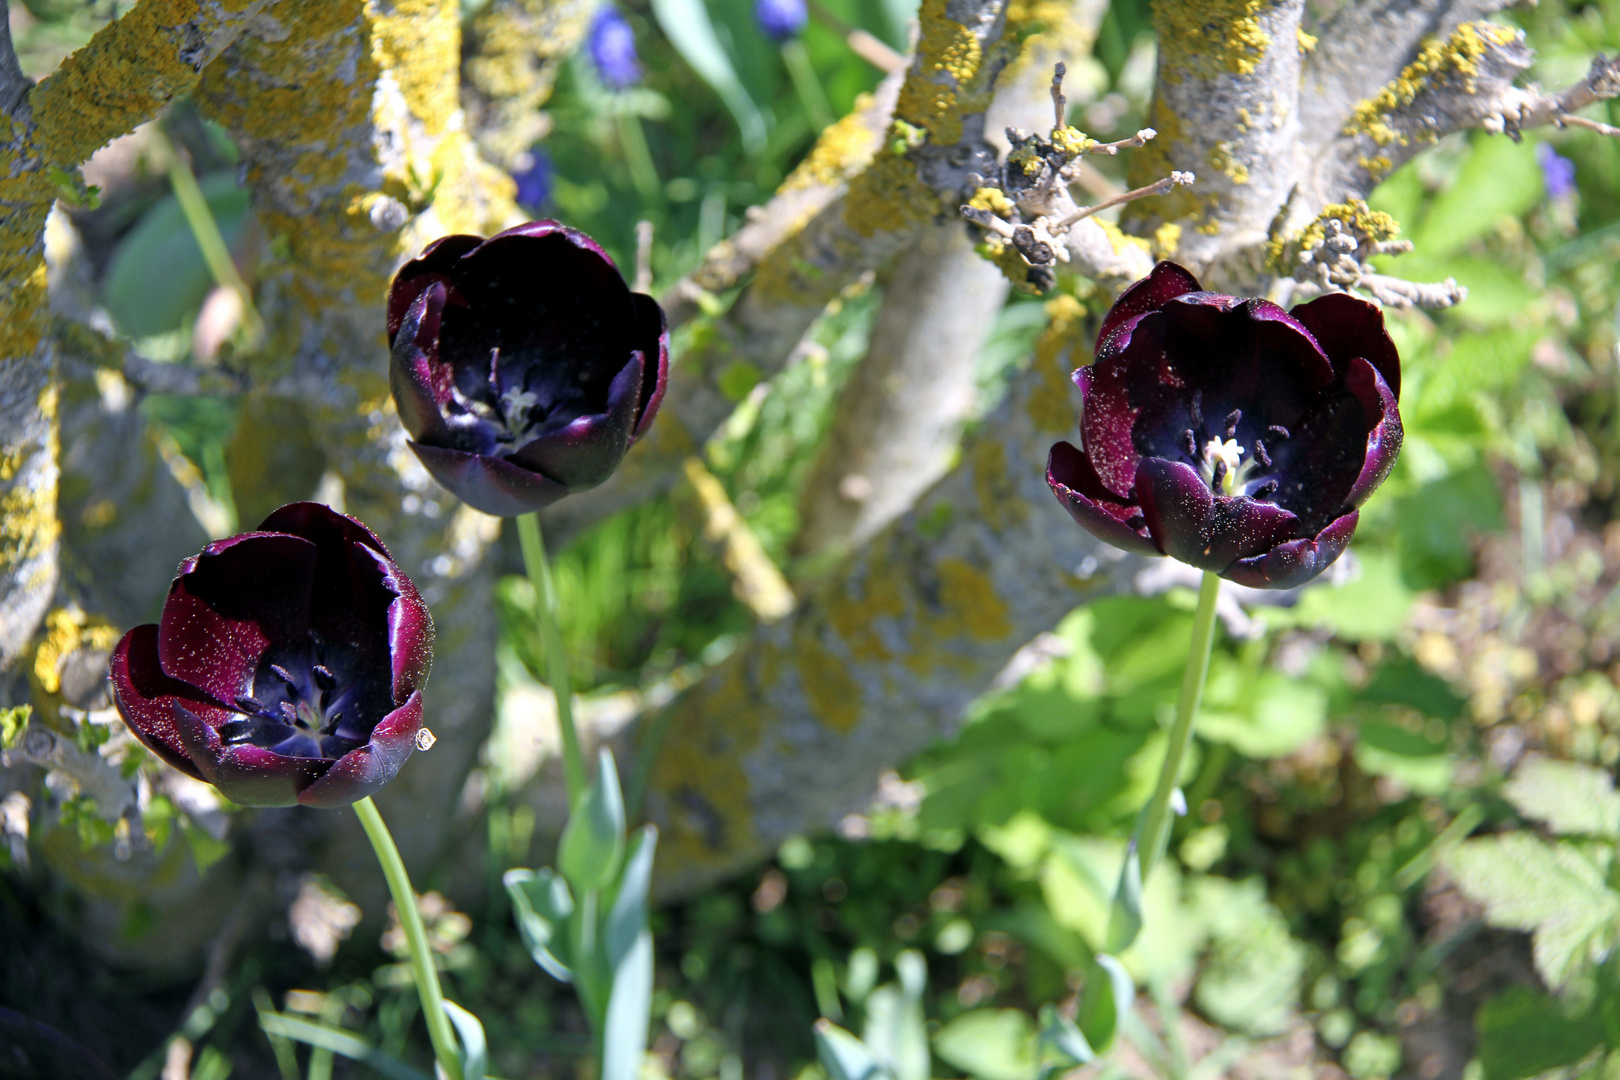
(1230, 434)
(287, 666)
(523, 367)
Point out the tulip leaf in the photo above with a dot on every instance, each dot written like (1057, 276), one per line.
(593, 840)
(1524, 1033)
(1109, 995)
(896, 1032)
(337, 1041)
(687, 25)
(629, 1010)
(844, 1056)
(474, 1048)
(1125, 913)
(541, 906)
(627, 917)
(1062, 1044)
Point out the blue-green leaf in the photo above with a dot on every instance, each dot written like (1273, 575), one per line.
(474, 1048)
(593, 840)
(337, 1041)
(627, 918)
(844, 1056)
(687, 25)
(624, 1031)
(541, 906)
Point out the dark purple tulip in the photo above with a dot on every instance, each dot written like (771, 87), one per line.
(287, 666)
(1230, 434)
(612, 47)
(523, 366)
(780, 19)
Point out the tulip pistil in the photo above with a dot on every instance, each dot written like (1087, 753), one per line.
(296, 713)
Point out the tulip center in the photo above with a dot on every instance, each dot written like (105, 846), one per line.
(297, 708)
(1228, 467)
(1223, 457)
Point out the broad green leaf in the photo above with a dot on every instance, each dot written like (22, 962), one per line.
(627, 917)
(1439, 523)
(1371, 607)
(474, 1048)
(1251, 977)
(593, 840)
(1484, 361)
(990, 1044)
(541, 907)
(1499, 178)
(1403, 682)
(687, 25)
(1553, 890)
(1569, 798)
(1062, 1044)
(844, 1056)
(1497, 292)
(157, 276)
(629, 1011)
(1283, 714)
(1524, 1033)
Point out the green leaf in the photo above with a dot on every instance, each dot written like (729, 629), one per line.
(990, 1044)
(474, 1048)
(629, 1010)
(627, 917)
(1061, 1044)
(1403, 682)
(1371, 607)
(337, 1041)
(1476, 362)
(541, 907)
(844, 1056)
(1553, 890)
(1499, 178)
(1282, 715)
(593, 840)
(1569, 798)
(895, 1031)
(1524, 1033)
(1125, 911)
(12, 722)
(1109, 994)
(1439, 523)
(1251, 977)
(687, 25)
(157, 276)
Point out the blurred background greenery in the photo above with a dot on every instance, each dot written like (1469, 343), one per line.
(1327, 914)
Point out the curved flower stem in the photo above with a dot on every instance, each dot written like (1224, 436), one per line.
(545, 597)
(422, 969)
(1154, 831)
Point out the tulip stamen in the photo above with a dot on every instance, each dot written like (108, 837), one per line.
(249, 705)
(324, 678)
(1279, 431)
(1227, 457)
(284, 675)
(236, 731)
(1260, 453)
(1265, 490)
(1189, 443)
(1196, 409)
(1232, 419)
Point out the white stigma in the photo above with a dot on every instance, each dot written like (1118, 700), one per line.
(1227, 451)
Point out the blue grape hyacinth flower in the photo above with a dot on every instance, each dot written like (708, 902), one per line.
(781, 19)
(612, 47)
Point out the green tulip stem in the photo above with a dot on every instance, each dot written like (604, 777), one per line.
(1154, 831)
(545, 602)
(445, 1047)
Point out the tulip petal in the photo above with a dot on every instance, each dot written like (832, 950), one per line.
(586, 451)
(1164, 283)
(421, 387)
(1192, 524)
(654, 345)
(228, 606)
(146, 697)
(1367, 383)
(1289, 565)
(366, 769)
(1092, 506)
(245, 774)
(410, 630)
(1348, 327)
(436, 263)
(1107, 412)
(493, 485)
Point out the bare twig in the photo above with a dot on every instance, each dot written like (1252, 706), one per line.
(861, 43)
(1141, 138)
(185, 380)
(1563, 119)
(1158, 187)
(13, 83)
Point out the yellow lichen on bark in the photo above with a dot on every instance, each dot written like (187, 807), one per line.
(842, 148)
(419, 41)
(29, 528)
(1051, 407)
(1207, 38)
(833, 695)
(1455, 59)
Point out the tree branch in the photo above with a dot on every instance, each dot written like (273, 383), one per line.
(513, 55)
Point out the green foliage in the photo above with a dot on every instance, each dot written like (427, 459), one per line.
(13, 721)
